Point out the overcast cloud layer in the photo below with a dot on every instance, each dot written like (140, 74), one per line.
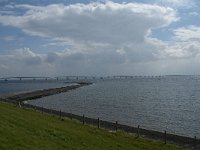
(101, 39)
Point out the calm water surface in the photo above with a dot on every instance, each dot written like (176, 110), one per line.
(169, 103)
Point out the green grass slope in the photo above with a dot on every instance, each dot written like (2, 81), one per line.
(25, 129)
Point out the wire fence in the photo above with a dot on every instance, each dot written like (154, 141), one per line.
(115, 126)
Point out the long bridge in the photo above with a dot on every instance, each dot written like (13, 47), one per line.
(76, 77)
(24, 78)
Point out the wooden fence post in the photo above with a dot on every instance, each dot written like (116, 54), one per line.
(195, 140)
(116, 125)
(71, 116)
(60, 114)
(98, 123)
(83, 119)
(165, 137)
(138, 130)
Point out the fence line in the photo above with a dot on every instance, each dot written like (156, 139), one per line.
(164, 136)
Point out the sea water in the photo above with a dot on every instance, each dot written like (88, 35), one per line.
(170, 103)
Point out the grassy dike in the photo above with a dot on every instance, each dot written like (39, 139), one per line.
(25, 129)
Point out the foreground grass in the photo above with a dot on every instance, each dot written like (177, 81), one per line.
(22, 129)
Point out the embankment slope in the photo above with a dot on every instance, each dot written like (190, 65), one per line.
(22, 128)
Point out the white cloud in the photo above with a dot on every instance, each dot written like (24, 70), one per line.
(95, 22)
(194, 13)
(6, 12)
(184, 44)
(26, 62)
(104, 38)
(187, 33)
(96, 26)
(23, 62)
(177, 3)
(28, 57)
(3, 67)
(8, 38)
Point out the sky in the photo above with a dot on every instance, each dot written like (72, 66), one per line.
(99, 38)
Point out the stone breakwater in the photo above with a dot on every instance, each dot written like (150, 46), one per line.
(17, 98)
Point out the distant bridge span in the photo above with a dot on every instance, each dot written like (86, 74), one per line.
(77, 77)
(21, 78)
(74, 77)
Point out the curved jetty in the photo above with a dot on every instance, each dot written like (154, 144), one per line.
(16, 98)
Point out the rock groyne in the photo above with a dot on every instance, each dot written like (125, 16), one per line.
(16, 98)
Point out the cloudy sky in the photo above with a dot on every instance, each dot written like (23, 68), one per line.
(72, 37)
